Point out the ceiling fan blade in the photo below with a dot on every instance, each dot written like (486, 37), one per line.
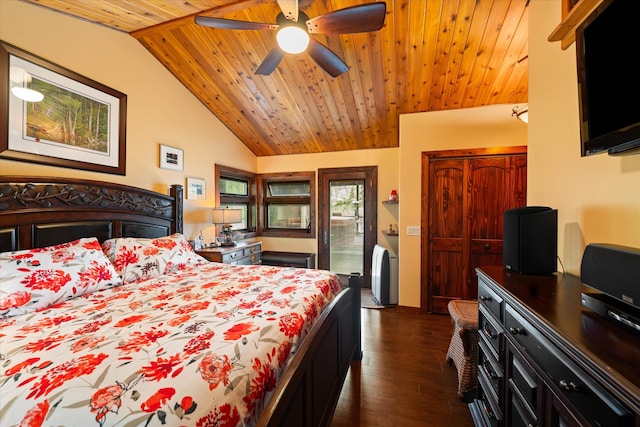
(270, 62)
(289, 9)
(233, 24)
(325, 58)
(354, 19)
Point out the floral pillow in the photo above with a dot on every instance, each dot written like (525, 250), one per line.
(137, 259)
(35, 279)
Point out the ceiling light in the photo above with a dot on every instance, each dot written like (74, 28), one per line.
(292, 39)
(521, 113)
(26, 94)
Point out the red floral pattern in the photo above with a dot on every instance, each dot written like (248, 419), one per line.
(201, 346)
(137, 259)
(35, 279)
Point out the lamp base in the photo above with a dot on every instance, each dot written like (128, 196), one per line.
(226, 239)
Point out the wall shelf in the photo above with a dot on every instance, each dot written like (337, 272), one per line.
(390, 234)
(390, 202)
(572, 17)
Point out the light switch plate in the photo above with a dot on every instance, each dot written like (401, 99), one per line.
(413, 230)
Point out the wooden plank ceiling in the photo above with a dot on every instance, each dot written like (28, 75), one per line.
(430, 55)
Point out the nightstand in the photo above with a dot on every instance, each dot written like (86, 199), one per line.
(241, 254)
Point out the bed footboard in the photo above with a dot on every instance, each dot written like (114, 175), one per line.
(307, 394)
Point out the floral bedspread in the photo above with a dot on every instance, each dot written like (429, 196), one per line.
(197, 347)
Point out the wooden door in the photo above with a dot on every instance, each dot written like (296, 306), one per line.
(446, 232)
(466, 194)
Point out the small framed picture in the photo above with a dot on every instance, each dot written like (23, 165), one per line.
(196, 189)
(171, 158)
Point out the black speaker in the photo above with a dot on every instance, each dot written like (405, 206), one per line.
(530, 240)
(614, 270)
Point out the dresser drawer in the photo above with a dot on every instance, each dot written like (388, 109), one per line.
(491, 369)
(252, 250)
(588, 398)
(490, 333)
(247, 260)
(233, 256)
(489, 406)
(489, 299)
(524, 383)
(524, 395)
(520, 416)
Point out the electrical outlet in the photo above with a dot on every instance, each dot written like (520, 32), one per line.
(413, 230)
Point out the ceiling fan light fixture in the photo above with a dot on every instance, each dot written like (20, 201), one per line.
(521, 113)
(292, 39)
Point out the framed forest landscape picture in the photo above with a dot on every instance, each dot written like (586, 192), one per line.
(54, 116)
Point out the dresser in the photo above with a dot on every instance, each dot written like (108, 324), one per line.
(242, 254)
(544, 360)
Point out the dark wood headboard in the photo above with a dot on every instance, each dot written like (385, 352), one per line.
(43, 211)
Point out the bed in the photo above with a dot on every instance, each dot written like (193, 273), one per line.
(137, 329)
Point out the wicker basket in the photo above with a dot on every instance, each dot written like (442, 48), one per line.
(463, 349)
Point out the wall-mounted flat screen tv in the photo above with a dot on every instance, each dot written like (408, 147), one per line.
(607, 47)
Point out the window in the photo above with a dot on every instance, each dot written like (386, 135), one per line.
(236, 190)
(288, 204)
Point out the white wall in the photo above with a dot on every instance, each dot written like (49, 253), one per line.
(490, 126)
(597, 197)
(160, 110)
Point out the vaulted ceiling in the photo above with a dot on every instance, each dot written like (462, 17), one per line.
(430, 55)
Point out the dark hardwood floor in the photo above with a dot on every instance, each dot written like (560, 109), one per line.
(403, 379)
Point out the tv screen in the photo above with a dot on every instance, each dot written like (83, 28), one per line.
(609, 80)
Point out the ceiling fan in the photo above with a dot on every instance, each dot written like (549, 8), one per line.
(294, 26)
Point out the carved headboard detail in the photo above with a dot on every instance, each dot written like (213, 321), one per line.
(41, 211)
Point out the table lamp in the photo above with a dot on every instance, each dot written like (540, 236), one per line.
(224, 218)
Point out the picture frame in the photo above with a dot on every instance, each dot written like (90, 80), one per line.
(196, 189)
(171, 158)
(79, 123)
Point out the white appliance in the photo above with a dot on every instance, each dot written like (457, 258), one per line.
(384, 276)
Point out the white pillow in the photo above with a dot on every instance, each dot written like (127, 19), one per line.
(137, 259)
(35, 279)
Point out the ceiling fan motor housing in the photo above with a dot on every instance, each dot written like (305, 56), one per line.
(302, 19)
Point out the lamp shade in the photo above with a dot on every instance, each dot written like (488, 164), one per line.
(226, 216)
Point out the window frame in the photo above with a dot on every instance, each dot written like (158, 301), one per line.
(226, 172)
(264, 201)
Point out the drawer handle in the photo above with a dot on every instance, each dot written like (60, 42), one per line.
(570, 386)
(489, 333)
(484, 298)
(487, 409)
(516, 331)
(489, 371)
